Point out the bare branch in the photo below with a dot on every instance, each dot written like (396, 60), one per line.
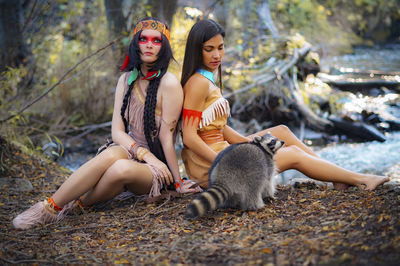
(58, 82)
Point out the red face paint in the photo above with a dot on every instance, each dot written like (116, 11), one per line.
(155, 40)
(150, 44)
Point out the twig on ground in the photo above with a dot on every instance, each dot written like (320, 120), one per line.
(143, 216)
(348, 225)
(24, 261)
(109, 225)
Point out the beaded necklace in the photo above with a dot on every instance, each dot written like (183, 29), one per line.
(207, 74)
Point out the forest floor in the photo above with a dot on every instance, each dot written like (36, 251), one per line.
(307, 224)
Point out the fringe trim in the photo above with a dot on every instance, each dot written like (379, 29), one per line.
(217, 109)
(157, 183)
(40, 213)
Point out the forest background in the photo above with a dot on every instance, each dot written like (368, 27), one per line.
(59, 65)
(60, 59)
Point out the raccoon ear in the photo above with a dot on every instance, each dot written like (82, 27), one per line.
(268, 135)
(257, 139)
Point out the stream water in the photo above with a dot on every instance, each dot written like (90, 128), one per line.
(369, 157)
(384, 58)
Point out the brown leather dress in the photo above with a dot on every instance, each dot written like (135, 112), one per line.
(213, 119)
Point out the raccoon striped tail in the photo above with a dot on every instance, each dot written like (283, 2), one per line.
(207, 201)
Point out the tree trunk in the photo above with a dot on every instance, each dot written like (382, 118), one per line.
(116, 26)
(264, 14)
(246, 11)
(221, 13)
(115, 18)
(163, 10)
(13, 49)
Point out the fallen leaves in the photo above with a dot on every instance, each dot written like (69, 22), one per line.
(303, 226)
(267, 250)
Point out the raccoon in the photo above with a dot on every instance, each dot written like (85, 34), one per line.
(240, 177)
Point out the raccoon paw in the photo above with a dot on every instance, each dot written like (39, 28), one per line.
(269, 199)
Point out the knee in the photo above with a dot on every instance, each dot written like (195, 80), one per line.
(113, 154)
(284, 130)
(120, 172)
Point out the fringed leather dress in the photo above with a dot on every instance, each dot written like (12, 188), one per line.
(213, 119)
(134, 112)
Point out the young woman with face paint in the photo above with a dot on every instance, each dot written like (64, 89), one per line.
(205, 113)
(148, 103)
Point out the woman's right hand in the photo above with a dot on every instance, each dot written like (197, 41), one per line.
(161, 168)
(188, 186)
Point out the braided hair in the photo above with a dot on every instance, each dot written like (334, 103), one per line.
(164, 57)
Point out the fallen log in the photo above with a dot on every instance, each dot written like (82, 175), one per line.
(90, 128)
(347, 82)
(307, 114)
(276, 74)
(357, 71)
(356, 130)
(281, 73)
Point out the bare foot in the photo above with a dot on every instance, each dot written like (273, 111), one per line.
(340, 186)
(372, 181)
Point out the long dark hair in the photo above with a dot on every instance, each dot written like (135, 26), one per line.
(201, 32)
(164, 57)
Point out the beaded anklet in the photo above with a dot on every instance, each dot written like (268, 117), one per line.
(80, 204)
(54, 205)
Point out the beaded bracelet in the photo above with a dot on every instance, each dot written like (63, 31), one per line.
(177, 184)
(141, 152)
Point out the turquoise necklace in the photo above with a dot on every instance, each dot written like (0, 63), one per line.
(207, 74)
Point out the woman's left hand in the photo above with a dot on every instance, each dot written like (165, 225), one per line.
(189, 186)
(162, 171)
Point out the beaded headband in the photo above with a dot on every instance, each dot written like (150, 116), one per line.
(152, 25)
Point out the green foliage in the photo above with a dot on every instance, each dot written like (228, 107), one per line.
(63, 33)
(337, 24)
(82, 29)
(9, 88)
(312, 19)
(368, 18)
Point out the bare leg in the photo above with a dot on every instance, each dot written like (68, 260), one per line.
(282, 132)
(293, 157)
(135, 176)
(87, 176)
(100, 179)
